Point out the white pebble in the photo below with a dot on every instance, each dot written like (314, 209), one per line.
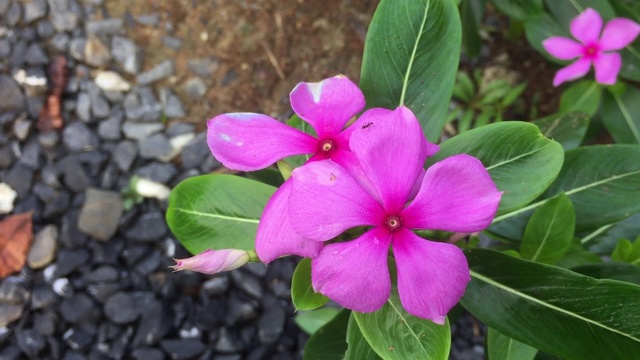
(7, 197)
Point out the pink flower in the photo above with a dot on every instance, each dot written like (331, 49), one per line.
(593, 47)
(455, 194)
(248, 141)
(213, 261)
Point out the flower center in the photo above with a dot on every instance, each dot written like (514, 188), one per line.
(326, 146)
(591, 50)
(393, 222)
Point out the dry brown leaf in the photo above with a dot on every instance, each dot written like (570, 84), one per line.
(16, 233)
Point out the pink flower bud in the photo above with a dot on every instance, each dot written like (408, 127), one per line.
(213, 261)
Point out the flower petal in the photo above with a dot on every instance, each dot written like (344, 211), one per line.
(586, 27)
(619, 33)
(577, 69)
(276, 237)
(607, 68)
(327, 105)
(248, 141)
(355, 273)
(457, 194)
(563, 48)
(326, 200)
(432, 276)
(392, 150)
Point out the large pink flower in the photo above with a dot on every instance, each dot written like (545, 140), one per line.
(455, 194)
(592, 48)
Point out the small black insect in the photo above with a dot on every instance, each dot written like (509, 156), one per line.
(367, 125)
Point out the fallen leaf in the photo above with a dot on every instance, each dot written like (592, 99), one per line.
(50, 116)
(16, 233)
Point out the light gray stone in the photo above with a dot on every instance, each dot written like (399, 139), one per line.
(100, 214)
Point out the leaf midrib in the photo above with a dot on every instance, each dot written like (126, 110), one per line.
(550, 306)
(568, 193)
(405, 81)
(218, 216)
(408, 326)
(627, 117)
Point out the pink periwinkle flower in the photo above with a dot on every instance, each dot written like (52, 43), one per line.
(455, 194)
(593, 47)
(249, 141)
(213, 261)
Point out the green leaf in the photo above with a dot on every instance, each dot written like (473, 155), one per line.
(302, 294)
(542, 27)
(359, 348)
(501, 347)
(521, 161)
(621, 115)
(577, 256)
(329, 342)
(568, 129)
(464, 88)
(411, 57)
(627, 252)
(217, 212)
(549, 231)
(614, 271)
(565, 11)
(471, 13)
(553, 309)
(604, 239)
(519, 9)
(395, 334)
(581, 96)
(311, 321)
(602, 179)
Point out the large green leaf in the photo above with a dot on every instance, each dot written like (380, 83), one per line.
(217, 212)
(395, 334)
(358, 347)
(601, 181)
(542, 27)
(471, 14)
(581, 96)
(631, 54)
(604, 239)
(519, 9)
(553, 309)
(521, 161)
(311, 321)
(549, 231)
(410, 58)
(501, 347)
(621, 115)
(330, 341)
(565, 11)
(566, 128)
(611, 270)
(302, 294)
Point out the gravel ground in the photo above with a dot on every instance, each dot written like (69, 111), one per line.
(97, 284)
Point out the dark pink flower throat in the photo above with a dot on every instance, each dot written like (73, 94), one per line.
(326, 147)
(393, 222)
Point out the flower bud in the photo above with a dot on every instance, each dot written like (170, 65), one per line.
(213, 261)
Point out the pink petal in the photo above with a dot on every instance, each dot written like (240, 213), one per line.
(586, 27)
(607, 68)
(248, 141)
(213, 261)
(619, 33)
(327, 105)
(432, 276)
(457, 194)
(355, 273)
(326, 200)
(563, 48)
(577, 69)
(392, 150)
(276, 237)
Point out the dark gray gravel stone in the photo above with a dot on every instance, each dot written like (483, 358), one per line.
(172, 42)
(125, 154)
(76, 136)
(139, 131)
(156, 146)
(149, 227)
(75, 178)
(70, 235)
(100, 108)
(121, 308)
(126, 54)
(204, 67)
(61, 41)
(36, 55)
(152, 327)
(147, 354)
(79, 309)
(64, 14)
(195, 88)
(103, 273)
(14, 14)
(104, 27)
(77, 338)
(83, 107)
(195, 152)
(20, 178)
(70, 260)
(183, 349)
(159, 172)
(34, 10)
(249, 284)
(45, 29)
(30, 342)
(148, 19)
(158, 72)
(109, 129)
(11, 97)
(271, 325)
(171, 103)
(5, 48)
